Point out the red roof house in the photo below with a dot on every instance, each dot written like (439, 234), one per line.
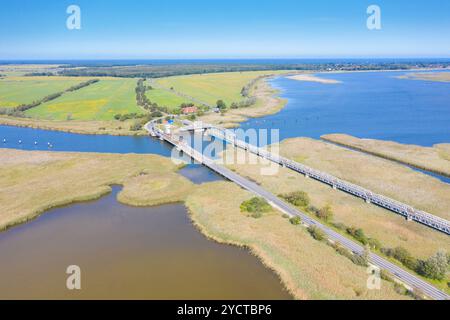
(189, 110)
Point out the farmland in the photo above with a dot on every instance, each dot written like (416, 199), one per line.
(21, 90)
(165, 98)
(110, 96)
(209, 88)
(100, 101)
(91, 109)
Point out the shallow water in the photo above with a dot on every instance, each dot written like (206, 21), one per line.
(127, 253)
(64, 141)
(199, 174)
(373, 105)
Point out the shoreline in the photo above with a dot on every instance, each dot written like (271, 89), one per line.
(265, 261)
(268, 103)
(423, 76)
(129, 168)
(231, 119)
(313, 78)
(140, 183)
(122, 198)
(55, 205)
(386, 70)
(84, 127)
(129, 195)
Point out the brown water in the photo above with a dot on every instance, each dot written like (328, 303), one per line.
(127, 253)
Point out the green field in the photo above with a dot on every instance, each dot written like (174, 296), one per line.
(99, 101)
(209, 88)
(165, 98)
(21, 90)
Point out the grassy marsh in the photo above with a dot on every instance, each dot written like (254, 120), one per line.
(435, 159)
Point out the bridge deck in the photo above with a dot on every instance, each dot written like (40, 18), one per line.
(396, 271)
(405, 210)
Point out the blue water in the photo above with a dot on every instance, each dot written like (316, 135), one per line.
(435, 175)
(25, 138)
(368, 105)
(199, 174)
(62, 141)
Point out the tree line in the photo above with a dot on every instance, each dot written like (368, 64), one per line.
(165, 70)
(435, 267)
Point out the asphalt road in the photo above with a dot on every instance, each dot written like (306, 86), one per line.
(397, 207)
(398, 272)
(382, 263)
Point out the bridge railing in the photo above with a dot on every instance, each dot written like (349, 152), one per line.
(383, 201)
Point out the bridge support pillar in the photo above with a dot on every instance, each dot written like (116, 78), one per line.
(334, 187)
(368, 200)
(409, 218)
(306, 176)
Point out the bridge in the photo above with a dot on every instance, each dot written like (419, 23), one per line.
(398, 272)
(405, 210)
(196, 126)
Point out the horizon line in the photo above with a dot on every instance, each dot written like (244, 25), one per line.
(230, 59)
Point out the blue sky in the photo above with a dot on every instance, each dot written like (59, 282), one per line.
(146, 29)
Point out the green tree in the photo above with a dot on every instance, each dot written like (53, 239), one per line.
(156, 114)
(297, 198)
(358, 234)
(403, 255)
(221, 105)
(434, 267)
(295, 220)
(256, 205)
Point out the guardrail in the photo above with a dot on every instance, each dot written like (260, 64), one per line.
(405, 210)
(350, 245)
